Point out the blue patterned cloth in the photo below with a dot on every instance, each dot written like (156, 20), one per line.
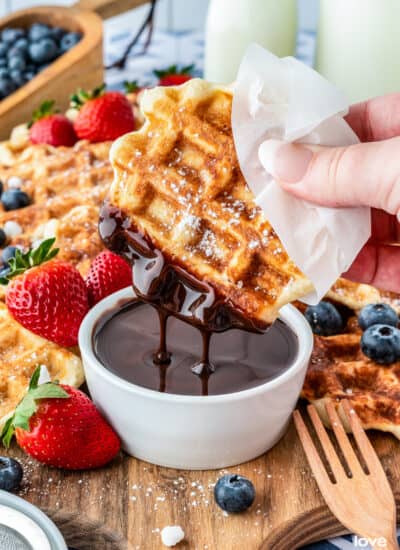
(168, 48)
(184, 48)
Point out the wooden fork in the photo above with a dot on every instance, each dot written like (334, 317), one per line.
(362, 501)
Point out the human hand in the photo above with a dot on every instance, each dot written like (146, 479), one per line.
(366, 174)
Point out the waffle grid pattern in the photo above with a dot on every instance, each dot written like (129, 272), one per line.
(178, 181)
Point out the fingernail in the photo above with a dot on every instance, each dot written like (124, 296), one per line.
(285, 161)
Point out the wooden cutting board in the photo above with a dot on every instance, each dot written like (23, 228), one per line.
(125, 505)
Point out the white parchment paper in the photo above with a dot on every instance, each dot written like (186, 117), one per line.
(284, 99)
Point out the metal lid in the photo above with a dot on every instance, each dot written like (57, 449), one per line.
(25, 527)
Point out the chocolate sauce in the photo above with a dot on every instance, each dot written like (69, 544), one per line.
(126, 336)
(176, 294)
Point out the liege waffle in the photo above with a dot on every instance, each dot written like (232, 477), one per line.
(67, 185)
(339, 371)
(21, 352)
(355, 295)
(178, 180)
(48, 172)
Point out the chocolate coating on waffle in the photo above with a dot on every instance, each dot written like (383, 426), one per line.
(178, 181)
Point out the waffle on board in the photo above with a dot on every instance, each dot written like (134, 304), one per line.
(21, 352)
(339, 371)
(66, 186)
(178, 181)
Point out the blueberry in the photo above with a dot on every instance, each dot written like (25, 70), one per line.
(38, 31)
(28, 75)
(19, 78)
(69, 41)
(9, 36)
(3, 49)
(10, 473)
(377, 314)
(21, 45)
(234, 493)
(381, 343)
(3, 62)
(3, 237)
(7, 87)
(4, 73)
(8, 253)
(41, 68)
(57, 33)
(16, 63)
(324, 319)
(13, 199)
(43, 51)
(15, 52)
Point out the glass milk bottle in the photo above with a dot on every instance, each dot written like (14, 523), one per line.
(358, 46)
(233, 24)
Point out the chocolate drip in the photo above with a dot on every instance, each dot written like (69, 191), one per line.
(204, 368)
(162, 356)
(164, 284)
(126, 336)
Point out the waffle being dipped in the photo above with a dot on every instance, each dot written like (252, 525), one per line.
(178, 182)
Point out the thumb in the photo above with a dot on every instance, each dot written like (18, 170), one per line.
(365, 174)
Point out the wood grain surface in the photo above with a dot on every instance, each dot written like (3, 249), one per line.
(125, 505)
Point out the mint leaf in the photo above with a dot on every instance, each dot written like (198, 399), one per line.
(24, 411)
(28, 405)
(48, 390)
(7, 432)
(33, 384)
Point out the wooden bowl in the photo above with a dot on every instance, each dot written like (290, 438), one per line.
(81, 67)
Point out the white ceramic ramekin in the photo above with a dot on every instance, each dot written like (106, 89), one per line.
(195, 432)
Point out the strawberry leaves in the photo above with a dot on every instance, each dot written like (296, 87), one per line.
(23, 261)
(46, 109)
(131, 86)
(28, 405)
(173, 69)
(79, 98)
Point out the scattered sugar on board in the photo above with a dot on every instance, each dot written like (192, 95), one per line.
(171, 535)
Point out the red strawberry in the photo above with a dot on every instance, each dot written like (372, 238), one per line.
(102, 115)
(49, 127)
(108, 273)
(59, 426)
(173, 76)
(46, 296)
